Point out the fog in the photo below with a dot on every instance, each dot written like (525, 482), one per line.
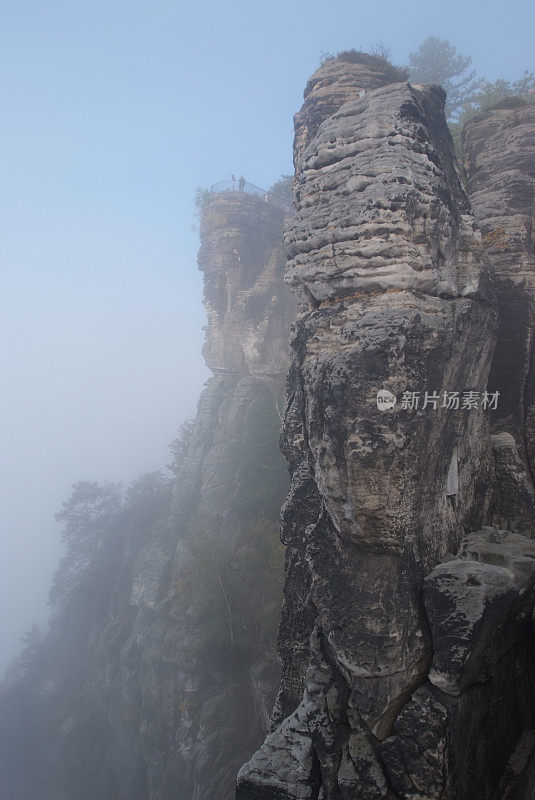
(113, 114)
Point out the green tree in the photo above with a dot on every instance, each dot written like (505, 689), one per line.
(180, 446)
(86, 516)
(149, 488)
(31, 642)
(438, 61)
(200, 198)
(493, 93)
(281, 191)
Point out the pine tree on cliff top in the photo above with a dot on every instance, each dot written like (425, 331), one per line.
(438, 61)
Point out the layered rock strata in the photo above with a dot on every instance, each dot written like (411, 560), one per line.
(335, 82)
(378, 698)
(499, 158)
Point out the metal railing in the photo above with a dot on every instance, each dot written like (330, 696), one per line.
(240, 187)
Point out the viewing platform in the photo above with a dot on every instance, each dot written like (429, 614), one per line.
(237, 187)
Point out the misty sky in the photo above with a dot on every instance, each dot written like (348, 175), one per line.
(113, 113)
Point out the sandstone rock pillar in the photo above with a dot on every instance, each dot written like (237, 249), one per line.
(386, 259)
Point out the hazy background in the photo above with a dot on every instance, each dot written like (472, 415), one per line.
(113, 113)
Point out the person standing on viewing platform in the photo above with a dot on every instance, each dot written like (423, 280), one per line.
(241, 183)
(233, 179)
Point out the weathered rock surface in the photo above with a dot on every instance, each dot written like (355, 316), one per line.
(499, 157)
(512, 505)
(333, 84)
(248, 307)
(415, 755)
(426, 655)
(454, 737)
(480, 606)
(502, 548)
(394, 217)
(468, 605)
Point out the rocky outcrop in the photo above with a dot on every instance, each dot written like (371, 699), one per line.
(248, 308)
(335, 82)
(471, 602)
(390, 678)
(480, 607)
(175, 672)
(499, 157)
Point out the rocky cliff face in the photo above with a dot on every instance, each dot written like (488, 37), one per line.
(249, 309)
(399, 658)
(406, 638)
(158, 682)
(499, 158)
(210, 699)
